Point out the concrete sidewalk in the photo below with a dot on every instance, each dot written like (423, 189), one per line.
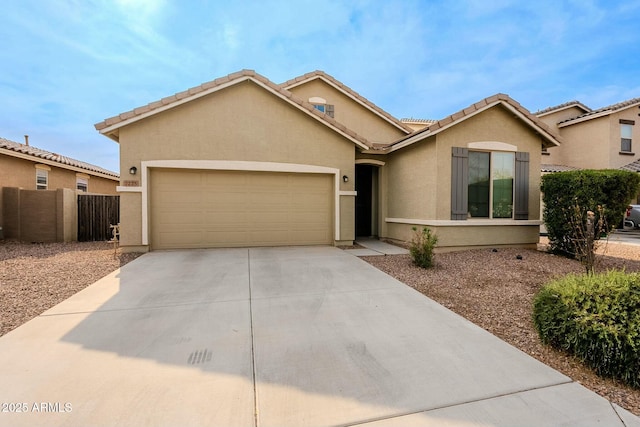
(274, 337)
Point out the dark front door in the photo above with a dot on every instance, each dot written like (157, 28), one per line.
(364, 199)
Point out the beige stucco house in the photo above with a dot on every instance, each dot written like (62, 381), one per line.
(243, 161)
(30, 168)
(605, 138)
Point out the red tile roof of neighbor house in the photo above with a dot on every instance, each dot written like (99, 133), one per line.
(38, 154)
(562, 107)
(604, 111)
(500, 98)
(113, 123)
(296, 81)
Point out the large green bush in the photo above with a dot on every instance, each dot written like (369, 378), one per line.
(595, 317)
(587, 190)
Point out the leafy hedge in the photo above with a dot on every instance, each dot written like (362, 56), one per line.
(595, 317)
(588, 189)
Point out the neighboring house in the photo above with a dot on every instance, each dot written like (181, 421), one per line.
(243, 161)
(417, 124)
(30, 168)
(606, 138)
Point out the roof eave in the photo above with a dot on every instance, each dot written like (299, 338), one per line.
(553, 140)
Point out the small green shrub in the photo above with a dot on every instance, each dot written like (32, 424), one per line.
(595, 317)
(421, 247)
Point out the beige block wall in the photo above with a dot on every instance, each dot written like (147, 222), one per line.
(351, 114)
(40, 215)
(242, 122)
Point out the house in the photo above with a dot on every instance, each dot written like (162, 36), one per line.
(29, 168)
(243, 161)
(593, 139)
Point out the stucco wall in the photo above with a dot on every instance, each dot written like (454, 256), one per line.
(242, 122)
(419, 182)
(616, 160)
(353, 115)
(586, 145)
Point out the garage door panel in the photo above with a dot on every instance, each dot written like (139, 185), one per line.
(234, 208)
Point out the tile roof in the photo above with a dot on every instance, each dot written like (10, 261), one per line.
(573, 103)
(556, 168)
(605, 110)
(631, 167)
(179, 98)
(490, 101)
(38, 154)
(321, 74)
(421, 121)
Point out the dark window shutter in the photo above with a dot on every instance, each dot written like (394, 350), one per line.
(521, 202)
(329, 110)
(459, 183)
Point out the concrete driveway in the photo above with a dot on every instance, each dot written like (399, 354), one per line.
(273, 337)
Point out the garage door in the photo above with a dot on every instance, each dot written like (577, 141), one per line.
(203, 209)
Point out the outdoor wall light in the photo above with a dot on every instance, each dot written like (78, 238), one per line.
(345, 178)
(133, 170)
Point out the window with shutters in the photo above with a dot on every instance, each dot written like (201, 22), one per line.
(489, 184)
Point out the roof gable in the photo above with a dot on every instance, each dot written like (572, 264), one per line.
(38, 155)
(499, 99)
(110, 127)
(571, 104)
(350, 93)
(601, 112)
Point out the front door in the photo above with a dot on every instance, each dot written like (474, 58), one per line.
(366, 200)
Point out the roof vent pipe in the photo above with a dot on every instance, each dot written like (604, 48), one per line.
(26, 140)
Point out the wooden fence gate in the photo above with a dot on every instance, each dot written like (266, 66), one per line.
(95, 216)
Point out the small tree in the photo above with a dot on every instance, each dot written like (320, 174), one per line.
(421, 247)
(585, 237)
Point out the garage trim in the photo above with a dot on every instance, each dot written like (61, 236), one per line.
(233, 165)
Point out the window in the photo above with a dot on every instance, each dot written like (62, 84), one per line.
(490, 191)
(489, 184)
(42, 179)
(82, 184)
(626, 130)
(321, 105)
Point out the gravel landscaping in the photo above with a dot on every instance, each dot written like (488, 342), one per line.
(495, 290)
(35, 277)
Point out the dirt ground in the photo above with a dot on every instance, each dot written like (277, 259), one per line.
(35, 277)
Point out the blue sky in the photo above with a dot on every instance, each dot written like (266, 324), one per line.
(67, 65)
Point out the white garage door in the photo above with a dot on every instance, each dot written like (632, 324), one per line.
(204, 209)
